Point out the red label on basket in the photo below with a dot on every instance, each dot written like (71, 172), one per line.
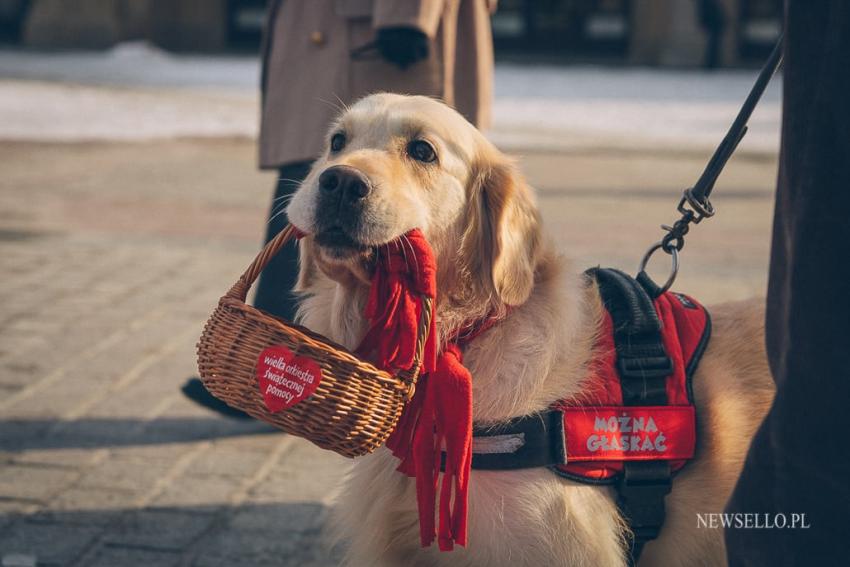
(286, 379)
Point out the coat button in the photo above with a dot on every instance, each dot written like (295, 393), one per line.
(317, 38)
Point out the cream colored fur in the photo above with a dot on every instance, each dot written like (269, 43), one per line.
(481, 219)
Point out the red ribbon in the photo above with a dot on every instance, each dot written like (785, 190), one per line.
(439, 417)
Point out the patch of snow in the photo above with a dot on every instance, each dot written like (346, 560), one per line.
(136, 91)
(133, 64)
(40, 111)
(563, 108)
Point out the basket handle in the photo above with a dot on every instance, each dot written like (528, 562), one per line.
(409, 376)
(246, 280)
(240, 289)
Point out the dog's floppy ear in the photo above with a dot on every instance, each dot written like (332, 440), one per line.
(306, 265)
(502, 241)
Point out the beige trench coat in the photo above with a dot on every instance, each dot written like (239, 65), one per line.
(308, 69)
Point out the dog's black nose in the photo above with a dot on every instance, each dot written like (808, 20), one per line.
(346, 182)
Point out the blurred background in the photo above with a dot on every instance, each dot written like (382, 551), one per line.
(644, 32)
(130, 200)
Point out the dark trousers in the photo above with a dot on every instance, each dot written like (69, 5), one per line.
(274, 290)
(799, 461)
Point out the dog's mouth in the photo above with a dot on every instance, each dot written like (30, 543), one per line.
(336, 241)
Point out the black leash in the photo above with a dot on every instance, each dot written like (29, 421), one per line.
(695, 204)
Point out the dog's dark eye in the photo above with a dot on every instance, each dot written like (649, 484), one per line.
(420, 150)
(337, 142)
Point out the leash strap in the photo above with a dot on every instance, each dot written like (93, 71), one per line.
(705, 184)
(694, 206)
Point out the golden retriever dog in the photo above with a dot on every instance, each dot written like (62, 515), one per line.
(404, 162)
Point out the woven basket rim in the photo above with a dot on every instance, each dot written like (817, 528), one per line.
(295, 329)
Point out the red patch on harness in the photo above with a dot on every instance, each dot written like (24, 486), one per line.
(286, 379)
(626, 433)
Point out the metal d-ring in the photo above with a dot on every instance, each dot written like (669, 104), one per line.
(674, 269)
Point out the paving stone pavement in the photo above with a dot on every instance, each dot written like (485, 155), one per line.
(112, 256)
(104, 462)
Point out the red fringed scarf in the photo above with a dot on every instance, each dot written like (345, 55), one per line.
(439, 417)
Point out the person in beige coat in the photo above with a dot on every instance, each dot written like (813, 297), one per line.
(319, 55)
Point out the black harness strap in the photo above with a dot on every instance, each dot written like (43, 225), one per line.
(526, 442)
(643, 366)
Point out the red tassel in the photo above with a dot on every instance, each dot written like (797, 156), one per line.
(440, 414)
(454, 429)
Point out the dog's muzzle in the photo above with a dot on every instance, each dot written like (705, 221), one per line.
(343, 191)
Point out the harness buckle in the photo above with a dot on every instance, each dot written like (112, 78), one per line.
(644, 366)
(643, 379)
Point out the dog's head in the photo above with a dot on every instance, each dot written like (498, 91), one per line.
(394, 163)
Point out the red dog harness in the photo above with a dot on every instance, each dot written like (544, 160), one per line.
(635, 423)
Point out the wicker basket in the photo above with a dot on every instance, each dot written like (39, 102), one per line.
(355, 406)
